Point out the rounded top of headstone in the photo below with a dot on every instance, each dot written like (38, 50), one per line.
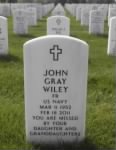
(52, 37)
(1, 17)
(113, 18)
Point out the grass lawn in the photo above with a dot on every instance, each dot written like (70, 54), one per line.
(100, 122)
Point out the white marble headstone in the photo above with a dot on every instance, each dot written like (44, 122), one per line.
(112, 37)
(32, 16)
(85, 17)
(104, 9)
(78, 13)
(96, 22)
(5, 8)
(58, 25)
(20, 22)
(3, 36)
(39, 11)
(55, 77)
(111, 13)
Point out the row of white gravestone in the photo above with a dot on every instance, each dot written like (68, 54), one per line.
(82, 11)
(96, 25)
(6, 9)
(77, 9)
(86, 16)
(95, 20)
(24, 15)
(59, 26)
(23, 18)
(55, 85)
(90, 16)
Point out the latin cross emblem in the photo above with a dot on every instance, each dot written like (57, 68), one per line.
(58, 21)
(56, 51)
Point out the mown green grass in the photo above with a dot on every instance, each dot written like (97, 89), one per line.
(101, 88)
(100, 122)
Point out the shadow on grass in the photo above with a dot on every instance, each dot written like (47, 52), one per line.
(43, 20)
(35, 27)
(84, 145)
(9, 58)
(105, 35)
(73, 34)
(26, 35)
